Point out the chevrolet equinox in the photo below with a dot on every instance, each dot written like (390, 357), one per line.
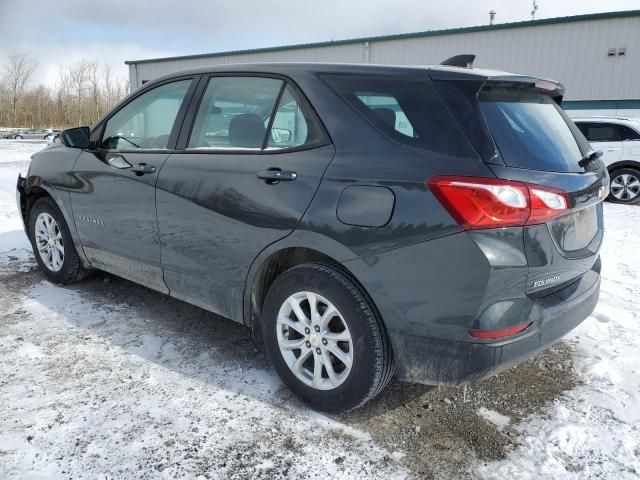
(436, 224)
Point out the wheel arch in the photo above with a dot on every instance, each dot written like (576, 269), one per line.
(29, 197)
(624, 164)
(265, 271)
(36, 189)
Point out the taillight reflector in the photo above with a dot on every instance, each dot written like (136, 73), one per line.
(497, 334)
(478, 202)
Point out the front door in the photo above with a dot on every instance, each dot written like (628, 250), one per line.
(243, 180)
(113, 186)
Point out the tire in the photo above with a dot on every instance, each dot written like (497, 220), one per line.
(18, 137)
(371, 366)
(624, 186)
(69, 269)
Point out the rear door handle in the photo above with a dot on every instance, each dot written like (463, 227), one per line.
(275, 175)
(142, 169)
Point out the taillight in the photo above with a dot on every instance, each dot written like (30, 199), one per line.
(478, 202)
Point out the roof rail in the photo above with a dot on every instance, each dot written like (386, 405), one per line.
(465, 61)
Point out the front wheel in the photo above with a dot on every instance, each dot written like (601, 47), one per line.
(18, 137)
(625, 186)
(324, 339)
(52, 243)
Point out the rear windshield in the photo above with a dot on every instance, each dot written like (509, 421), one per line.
(408, 110)
(531, 130)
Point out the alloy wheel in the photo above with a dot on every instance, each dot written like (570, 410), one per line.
(49, 242)
(625, 187)
(314, 340)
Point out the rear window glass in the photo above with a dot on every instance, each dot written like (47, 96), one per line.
(408, 110)
(531, 130)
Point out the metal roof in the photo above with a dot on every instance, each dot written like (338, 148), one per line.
(428, 33)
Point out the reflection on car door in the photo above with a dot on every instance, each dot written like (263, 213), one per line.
(234, 189)
(113, 185)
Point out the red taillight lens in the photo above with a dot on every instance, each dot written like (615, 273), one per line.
(478, 202)
(546, 203)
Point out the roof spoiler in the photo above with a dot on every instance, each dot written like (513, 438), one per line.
(464, 61)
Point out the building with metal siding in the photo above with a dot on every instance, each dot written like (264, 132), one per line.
(596, 57)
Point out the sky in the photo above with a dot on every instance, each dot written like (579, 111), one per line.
(112, 31)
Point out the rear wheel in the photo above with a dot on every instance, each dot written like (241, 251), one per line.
(625, 186)
(324, 339)
(52, 243)
(18, 137)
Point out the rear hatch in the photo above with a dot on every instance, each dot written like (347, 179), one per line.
(519, 129)
(537, 143)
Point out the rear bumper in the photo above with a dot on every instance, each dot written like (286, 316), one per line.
(449, 362)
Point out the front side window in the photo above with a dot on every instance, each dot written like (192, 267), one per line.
(146, 122)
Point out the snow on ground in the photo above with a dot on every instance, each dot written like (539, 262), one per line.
(99, 383)
(80, 398)
(14, 246)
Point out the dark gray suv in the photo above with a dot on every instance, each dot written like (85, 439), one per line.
(439, 224)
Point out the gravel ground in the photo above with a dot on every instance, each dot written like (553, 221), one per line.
(107, 379)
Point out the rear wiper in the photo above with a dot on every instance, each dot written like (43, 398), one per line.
(592, 156)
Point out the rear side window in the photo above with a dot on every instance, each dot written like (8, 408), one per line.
(408, 110)
(293, 124)
(531, 130)
(600, 132)
(234, 112)
(253, 113)
(627, 133)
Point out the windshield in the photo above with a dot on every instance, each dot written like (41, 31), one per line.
(531, 130)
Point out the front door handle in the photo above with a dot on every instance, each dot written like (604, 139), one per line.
(275, 175)
(142, 169)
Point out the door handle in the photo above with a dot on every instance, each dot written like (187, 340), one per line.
(275, 175)
(142, 169)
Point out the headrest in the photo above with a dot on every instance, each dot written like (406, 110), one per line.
(246, 130)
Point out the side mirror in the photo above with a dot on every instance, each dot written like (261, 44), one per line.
(76, 137)
(280, 135)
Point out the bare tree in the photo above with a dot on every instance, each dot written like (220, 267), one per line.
(16, 77)
(82, 93)
(110, 94)
(78, 76)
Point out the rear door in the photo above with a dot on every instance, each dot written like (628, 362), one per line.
(241, 179)
(113, 186)
(604, 137)
(539, 144)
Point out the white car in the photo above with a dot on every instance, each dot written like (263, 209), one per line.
(619, 141)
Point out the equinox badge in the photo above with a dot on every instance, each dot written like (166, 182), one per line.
(546, 281)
